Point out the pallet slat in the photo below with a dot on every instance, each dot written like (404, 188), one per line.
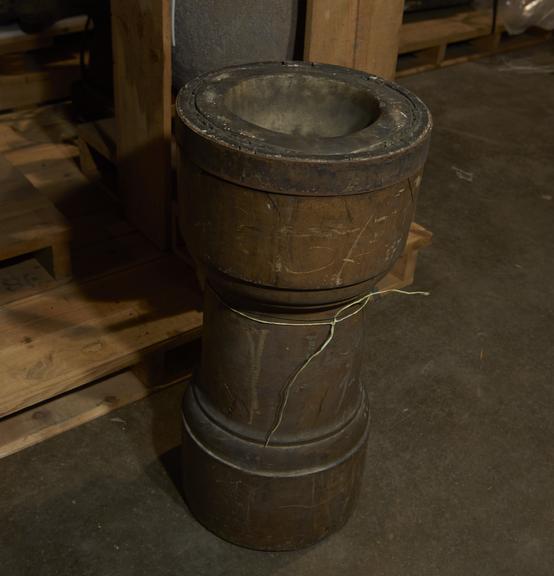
(31, 85)
(128, 304)
(52, 169)
(23, 279)
(60, 414)
(35, 425)
(76, 333)
(463, 37)
(416, 36)
(13, 39)
(402, 273)
(30, 226)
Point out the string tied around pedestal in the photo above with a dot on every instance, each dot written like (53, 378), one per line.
(338, 317)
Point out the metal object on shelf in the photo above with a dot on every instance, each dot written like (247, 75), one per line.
(297, 185)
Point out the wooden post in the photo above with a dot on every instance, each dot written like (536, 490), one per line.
(142, 77)
(360, 34)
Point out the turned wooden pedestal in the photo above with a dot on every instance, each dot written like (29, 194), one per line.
(297, 187)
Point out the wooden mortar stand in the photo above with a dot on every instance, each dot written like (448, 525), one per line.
(297, 187)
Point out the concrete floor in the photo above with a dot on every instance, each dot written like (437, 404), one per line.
(459, 476)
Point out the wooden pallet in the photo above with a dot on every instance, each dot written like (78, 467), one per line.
(417, 36)
(29, 80)
(38, 68)
(462, 37)
(62, 413)
(71, 335)
(128, 305)
(403, 271)
(34, 238)
(14, 40)
(97, 146)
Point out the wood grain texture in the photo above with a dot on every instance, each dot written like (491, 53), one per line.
(52, 124)
(28, 81)
(17, 195)
(60, 414)
(126, 301)
(30, 224)
(76, 333)
(52, 169)
(331, 31)
(142, 77)
(429, 33)
(377, 33)
(32, 426)
(23, 279)
(361, 34)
